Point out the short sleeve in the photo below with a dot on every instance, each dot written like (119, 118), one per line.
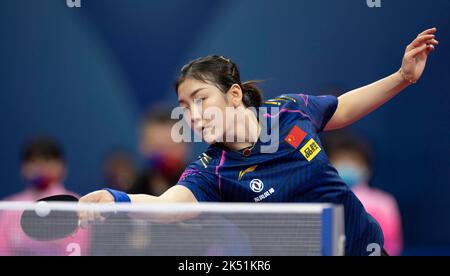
(197, 181)
(319, 109)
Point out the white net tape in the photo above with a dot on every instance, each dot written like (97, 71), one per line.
(219, 229)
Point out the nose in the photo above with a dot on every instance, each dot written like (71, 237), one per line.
(196, 115)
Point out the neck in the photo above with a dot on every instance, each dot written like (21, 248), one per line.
(247, 131)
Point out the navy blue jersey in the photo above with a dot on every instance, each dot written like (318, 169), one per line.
(299, 170)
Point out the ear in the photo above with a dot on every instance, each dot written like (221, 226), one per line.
(235, 95)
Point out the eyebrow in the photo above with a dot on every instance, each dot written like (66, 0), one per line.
(193, 94)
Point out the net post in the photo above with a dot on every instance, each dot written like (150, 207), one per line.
(333, 235)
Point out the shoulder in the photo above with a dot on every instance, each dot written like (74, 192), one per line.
(317, 109)
(210, 158)
(204, 163)
(303, 102)
(21, 196)
(287, 100)
(286, 108)
(200, 177)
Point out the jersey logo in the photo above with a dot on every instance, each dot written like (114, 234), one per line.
(204, 159)
(310, 150)
(256, 185)
(267, 194)
(272, 102)
(249, 170)
(295, 137)
(288, 98)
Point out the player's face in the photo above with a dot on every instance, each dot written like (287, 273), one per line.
(156, 138)
(351, 167)
(53, 170)
(207, 108)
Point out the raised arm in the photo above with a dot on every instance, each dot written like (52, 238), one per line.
(357, 103)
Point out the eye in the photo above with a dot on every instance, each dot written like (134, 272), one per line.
(198, 101)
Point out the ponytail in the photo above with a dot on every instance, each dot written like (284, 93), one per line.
(252, 95)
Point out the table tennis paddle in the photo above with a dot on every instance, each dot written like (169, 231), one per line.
(44, 224)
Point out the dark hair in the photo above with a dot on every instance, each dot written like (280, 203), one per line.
(339, 141)
(42, 148)
(158, 115)
(223, 73)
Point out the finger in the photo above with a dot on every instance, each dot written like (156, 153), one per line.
(416, 51)
(99, 217)
(430, 48)
(428, 31)
(419, 41)
(83, 224)
(433, 42)
(82, 216)
(91, 216)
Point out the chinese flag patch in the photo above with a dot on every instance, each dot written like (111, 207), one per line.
(295, 137)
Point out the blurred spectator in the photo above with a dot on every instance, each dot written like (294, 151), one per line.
(120, 173)
(165, 160)
(44, 170)
(352, 158)
(119, 170)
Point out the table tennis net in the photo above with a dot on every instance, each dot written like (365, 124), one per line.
(218, 229)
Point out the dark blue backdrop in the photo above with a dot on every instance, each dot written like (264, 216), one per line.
(86, 75)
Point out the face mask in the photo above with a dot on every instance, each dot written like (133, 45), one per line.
(164, 164)
(351, 175)
(41, 182)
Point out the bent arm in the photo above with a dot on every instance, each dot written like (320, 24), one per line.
(357, 103)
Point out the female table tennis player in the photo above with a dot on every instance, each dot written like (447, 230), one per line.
(299, 171)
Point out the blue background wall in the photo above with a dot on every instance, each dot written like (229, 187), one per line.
(86, 75)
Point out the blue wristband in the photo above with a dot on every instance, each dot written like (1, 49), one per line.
(119, 197)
